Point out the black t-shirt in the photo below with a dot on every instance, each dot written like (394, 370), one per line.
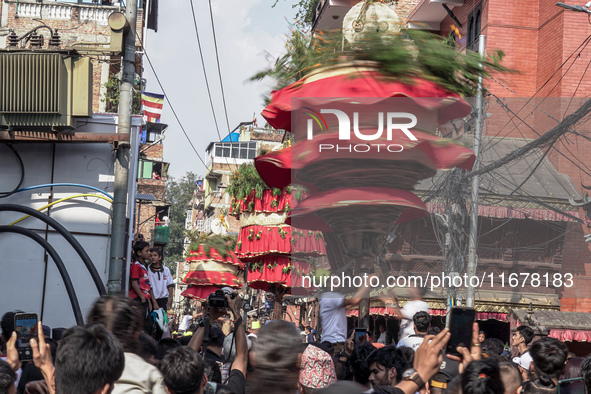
(236, 381)
(211, 355)
(236, 384)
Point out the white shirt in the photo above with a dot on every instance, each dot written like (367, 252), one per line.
(333, 317)
(409, 310)
(411, 342)
(160, 281)
(184, 325)
(382, 338)
(139, 377)
(524, 360)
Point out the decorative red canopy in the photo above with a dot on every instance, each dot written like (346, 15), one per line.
(199, 293)
(279, 270)
(255, 241)
(275, 251)
(426, 156)
(210, 270)
(354, 80)
(308, 213)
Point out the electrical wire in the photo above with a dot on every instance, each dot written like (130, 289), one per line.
(508, 110)
(66, 184)
(59, 201)
(215, 43)
(581, 46)
(215, 120)
(22, 178)
(168, 100)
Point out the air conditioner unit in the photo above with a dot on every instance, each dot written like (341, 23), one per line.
(44, 90)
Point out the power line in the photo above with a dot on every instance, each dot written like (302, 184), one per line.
(558, 151)
(556, 131)
(581, 47)
(168, 100)
(217, 129)
(215, 43)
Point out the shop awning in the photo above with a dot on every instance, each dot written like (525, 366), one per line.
(389, 312)
(515, 213)
(488, 304)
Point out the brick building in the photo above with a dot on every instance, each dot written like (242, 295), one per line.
(536, 230)
(86, 22)
(152, 210)
(537, 38)
(223, 158)
(82, 21)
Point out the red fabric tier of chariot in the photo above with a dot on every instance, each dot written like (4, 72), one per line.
(213, 255)
(267, 203)
(255, 241)
(278, 270)
(280, 168)
(305, 215)
(199, 293)
(340, 83)
(210, 272)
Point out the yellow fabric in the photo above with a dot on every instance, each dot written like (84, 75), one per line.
(437, 384)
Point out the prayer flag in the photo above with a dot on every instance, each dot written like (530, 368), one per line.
(152, 105)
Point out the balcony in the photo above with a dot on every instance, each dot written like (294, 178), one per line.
(87, 11)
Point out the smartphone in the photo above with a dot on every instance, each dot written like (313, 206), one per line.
(360, 335)
(460, 328)
(572, 386)
(25, 325)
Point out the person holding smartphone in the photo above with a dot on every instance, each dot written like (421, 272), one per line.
(236, 378)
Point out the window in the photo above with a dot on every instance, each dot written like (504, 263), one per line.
(474, 19)
(152, 169)
(235, 150)
(140, 3)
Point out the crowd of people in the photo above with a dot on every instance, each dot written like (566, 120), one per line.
(120, 351)
(114, 354)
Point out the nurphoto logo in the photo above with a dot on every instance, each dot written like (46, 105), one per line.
(394, 121)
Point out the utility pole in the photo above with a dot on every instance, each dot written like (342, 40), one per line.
(119, 222)
(471, 268)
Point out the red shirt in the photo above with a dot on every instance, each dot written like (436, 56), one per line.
(140, 273)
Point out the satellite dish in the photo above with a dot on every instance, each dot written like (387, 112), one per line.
(369, 18)
(217, 227)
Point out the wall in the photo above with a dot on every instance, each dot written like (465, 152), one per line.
(30, 282)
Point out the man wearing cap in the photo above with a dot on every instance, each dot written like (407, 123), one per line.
(521, 339)
(309, 336)
(317, 370)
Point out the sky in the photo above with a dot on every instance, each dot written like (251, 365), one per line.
(249, 33)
